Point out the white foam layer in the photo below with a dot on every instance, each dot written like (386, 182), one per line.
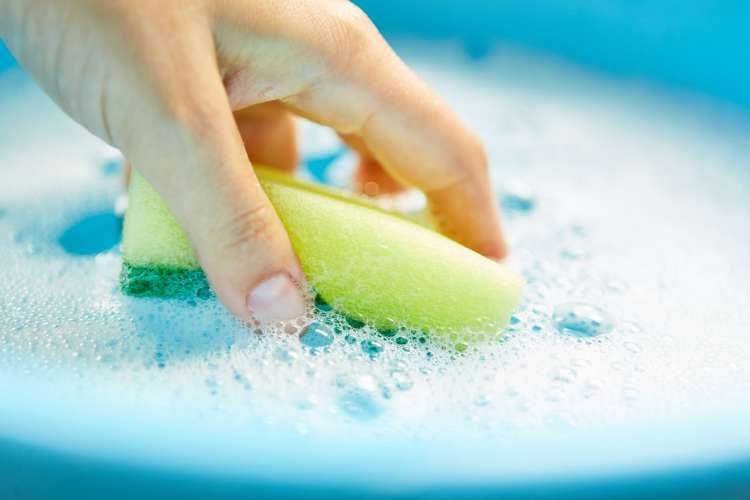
(618, 196)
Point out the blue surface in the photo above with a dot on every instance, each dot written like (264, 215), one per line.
(699, 45)
(696, 45)
(70, 476)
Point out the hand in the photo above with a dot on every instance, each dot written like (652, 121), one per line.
(193, 91)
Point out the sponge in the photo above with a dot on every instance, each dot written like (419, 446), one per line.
(372, 265)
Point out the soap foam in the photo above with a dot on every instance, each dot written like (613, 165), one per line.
(633, 203)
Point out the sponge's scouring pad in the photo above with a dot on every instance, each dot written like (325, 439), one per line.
(369, 264)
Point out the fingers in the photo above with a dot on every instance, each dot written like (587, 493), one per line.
(269, 134)
(370, 94)
(370, 178)
(185, 141)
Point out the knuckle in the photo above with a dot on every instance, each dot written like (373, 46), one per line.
(350, 27)
(245, 230)
(193, 117)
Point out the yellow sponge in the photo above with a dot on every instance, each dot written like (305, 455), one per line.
(367, 263)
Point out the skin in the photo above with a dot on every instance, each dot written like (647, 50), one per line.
(194, 91)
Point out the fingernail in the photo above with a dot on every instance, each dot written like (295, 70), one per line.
(276, 299)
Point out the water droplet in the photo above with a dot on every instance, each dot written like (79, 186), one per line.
(581, 320)
(401, 380)
(316, 335)
(372, 347)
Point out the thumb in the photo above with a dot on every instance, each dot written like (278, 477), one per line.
(192, 153)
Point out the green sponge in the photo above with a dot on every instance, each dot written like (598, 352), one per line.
(370, 264)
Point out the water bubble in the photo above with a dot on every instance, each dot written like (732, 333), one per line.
(360, 400)
(401, 380)
(582, 320)
(371, 347)
(316, 335)
(360, 405)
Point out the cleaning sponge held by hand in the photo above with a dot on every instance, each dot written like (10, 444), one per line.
(367, 263)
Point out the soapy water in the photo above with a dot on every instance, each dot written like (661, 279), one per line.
(626, 209)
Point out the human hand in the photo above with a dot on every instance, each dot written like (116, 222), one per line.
(193, 91)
